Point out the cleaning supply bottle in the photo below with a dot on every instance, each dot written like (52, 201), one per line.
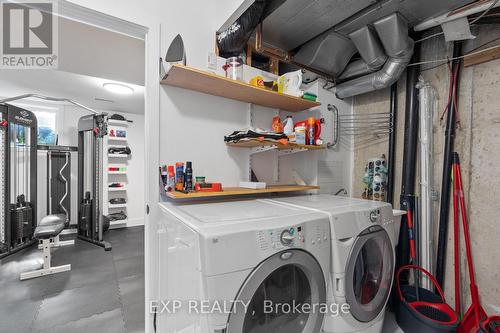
(288, 129)
(188, 177)
(311, 131)
(170, 179)
(179, 176)
(164, 176)
(277, 125)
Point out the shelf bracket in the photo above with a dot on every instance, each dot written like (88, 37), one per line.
(290, 151)
(250, 125)
(262, 149)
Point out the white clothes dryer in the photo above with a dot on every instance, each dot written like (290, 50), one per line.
(364, 236)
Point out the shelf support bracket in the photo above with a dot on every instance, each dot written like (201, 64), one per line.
(262, 149)
(290, 151)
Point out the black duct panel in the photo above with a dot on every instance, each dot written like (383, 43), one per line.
(328, 53)
(292, 23)
(297, 21)
(233, 41)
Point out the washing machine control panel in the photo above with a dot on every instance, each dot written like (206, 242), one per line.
(282, 238)
(374, 215)
(296, 236)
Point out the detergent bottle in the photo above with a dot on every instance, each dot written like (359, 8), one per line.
(316, 131)
(288, 129)
(311, 131)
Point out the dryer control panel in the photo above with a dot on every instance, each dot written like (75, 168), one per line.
(377, 216)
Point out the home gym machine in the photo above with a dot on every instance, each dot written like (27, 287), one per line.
(58, 179)
(91, 224)
(60, 194)
(91, 131)
(18, 171)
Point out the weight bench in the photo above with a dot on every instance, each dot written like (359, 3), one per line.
(49, 228)
(55, 241)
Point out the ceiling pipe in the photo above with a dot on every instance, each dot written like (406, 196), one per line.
(391, 156)
(408, 172)
(465, 11)
(393, 33)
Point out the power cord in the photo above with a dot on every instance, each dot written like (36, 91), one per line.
(446, 60)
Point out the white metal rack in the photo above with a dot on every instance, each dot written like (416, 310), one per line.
(110, 177)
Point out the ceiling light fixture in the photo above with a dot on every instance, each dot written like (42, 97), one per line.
(118, 88)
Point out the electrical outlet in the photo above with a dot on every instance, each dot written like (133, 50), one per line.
(212, 60)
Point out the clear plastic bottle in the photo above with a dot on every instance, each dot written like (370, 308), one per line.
(288, 129)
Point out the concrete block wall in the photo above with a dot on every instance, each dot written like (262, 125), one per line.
(478, 143)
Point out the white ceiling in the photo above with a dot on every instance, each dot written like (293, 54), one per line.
(80, 88)
(88, 57)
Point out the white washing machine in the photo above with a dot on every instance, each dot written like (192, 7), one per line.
(247, 251)
(364, 236)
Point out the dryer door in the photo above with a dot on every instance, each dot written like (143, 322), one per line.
(274, 288)
(369, 274)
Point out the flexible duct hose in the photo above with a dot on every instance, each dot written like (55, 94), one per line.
(393, 33)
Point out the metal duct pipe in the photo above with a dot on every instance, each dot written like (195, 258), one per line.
(372, 54)
(355, 69)
(393, 33)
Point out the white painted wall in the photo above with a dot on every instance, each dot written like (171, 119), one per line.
(181, 125)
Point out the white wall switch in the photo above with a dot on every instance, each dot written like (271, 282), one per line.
(212, 60)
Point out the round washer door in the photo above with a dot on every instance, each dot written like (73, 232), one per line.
(288, 278)
(369, 274)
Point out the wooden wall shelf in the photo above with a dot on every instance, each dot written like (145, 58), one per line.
(237, 191)
(266, 143)
(208, 83)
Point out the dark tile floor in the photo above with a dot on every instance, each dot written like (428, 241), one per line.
(103, 292)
